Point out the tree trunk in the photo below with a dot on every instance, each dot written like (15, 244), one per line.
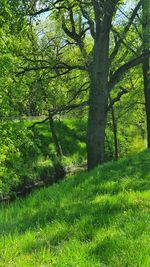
(54, 136)
(98, 101)
(99, 72)
(146, 63)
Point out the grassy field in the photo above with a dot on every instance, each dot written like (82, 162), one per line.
(100, 218)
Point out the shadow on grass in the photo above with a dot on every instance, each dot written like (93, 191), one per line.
(81, 206)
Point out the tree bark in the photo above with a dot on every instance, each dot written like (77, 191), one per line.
(98, 100)
(146, 63)
(97, 118)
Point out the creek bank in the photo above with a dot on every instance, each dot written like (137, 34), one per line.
(25, 189)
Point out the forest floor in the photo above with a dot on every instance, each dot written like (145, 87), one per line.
(100, 218)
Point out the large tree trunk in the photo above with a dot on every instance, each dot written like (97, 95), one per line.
(98, 100)
(146, 63)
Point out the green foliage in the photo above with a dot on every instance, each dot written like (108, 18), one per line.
(72, 136)
(18, 153)
(91, 219)
(27, 156)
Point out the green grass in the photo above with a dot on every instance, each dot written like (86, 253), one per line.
(72, 136)
(100, 218)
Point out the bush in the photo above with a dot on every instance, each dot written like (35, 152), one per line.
(18, 154)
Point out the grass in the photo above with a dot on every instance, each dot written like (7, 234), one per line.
(72, 136)
(100, 218)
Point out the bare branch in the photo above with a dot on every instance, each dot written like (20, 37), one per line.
(65, 66)
(126, 29)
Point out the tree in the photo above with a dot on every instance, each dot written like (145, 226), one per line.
(99, 72)
(95, 19)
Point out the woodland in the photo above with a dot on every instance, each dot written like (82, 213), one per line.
(74, 133)
(65, 60)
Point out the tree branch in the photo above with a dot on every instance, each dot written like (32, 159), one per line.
(116, 77)
(126, 29)
(117, 98)
(59, 110)
(54, 68)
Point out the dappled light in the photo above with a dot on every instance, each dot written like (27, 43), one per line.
(102, 213)
(74, 133)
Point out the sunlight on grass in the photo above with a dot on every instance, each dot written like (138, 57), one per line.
(100, 218)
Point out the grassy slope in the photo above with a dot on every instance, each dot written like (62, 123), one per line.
(95, 219)
(72, 136)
